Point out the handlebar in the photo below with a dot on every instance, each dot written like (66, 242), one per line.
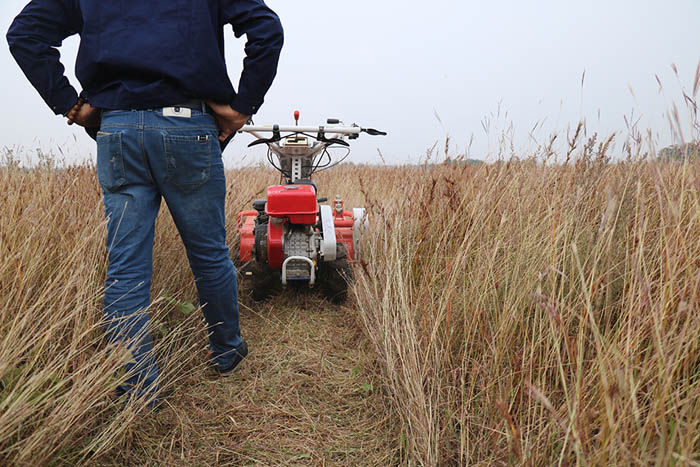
(340, 130)
(323, 129)
(307, 152)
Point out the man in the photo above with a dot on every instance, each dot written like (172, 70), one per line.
(147, 68)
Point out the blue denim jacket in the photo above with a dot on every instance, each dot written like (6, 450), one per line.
(139, 54)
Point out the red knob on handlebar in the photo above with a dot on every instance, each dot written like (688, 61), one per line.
(296, 116)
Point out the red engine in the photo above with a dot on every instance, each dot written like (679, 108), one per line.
(291, 234)
(291, 213)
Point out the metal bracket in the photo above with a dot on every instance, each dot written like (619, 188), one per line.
(296, 169)
(312, 279)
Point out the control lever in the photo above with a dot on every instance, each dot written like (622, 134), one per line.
(276, 137)
(336, 141)
(263, 141)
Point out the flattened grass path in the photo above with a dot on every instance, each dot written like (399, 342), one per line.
(305, 395)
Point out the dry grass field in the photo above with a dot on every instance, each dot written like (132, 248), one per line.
(540, 315)
(510, 313)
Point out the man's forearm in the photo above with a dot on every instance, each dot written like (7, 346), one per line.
(265, 39)
(259, 71)
(33, 38)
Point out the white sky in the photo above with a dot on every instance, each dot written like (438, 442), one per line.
(393, 65)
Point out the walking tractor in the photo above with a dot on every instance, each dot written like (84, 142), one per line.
(292, 238)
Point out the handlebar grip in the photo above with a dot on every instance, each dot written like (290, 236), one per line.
(373, 132)
(332, 121)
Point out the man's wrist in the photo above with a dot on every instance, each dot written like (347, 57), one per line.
(63, 101)
(78, 102)
(243, 107)
(65, 114)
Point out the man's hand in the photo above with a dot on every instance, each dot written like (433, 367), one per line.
(227, 120)
(84, 115)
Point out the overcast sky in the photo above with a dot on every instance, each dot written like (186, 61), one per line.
(395, 65)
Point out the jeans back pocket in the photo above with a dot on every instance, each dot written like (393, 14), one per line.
(110, 161)
(188, 160)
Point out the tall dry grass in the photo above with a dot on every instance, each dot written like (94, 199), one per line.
(520, 312)
(57, 375)
(534, 314)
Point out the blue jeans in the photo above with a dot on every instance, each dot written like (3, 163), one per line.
(141, 156)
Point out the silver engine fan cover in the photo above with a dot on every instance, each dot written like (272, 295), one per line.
(328, 246)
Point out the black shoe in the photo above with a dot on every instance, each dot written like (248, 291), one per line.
(238, 355)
